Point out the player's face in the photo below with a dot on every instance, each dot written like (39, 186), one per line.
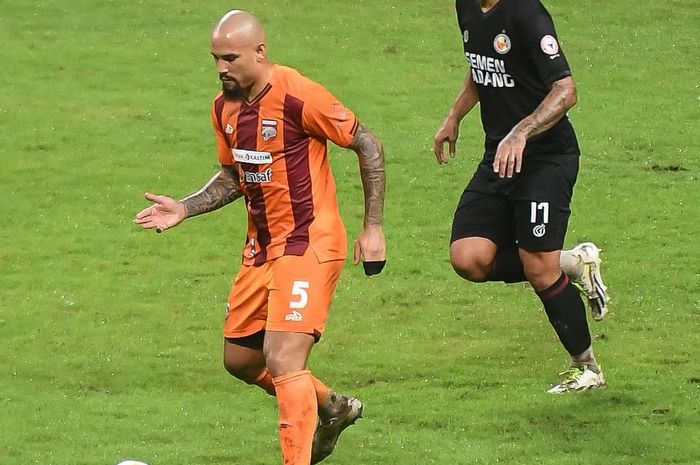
(237, 66)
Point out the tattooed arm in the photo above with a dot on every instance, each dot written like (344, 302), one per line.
(561, 97)
(222, 189)
(166, 212)
(371, 245)
(509, 156)
(370, 154)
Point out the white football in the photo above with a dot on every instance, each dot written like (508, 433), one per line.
(131, 462)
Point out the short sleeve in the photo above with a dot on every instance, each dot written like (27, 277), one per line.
(537, 30)
(222, 147)
(324, 116)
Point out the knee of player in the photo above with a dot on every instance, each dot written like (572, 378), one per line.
(280, 363)
(241, 370)
(541, 275)
(471, 267)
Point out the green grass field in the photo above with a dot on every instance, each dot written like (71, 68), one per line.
(111, 336)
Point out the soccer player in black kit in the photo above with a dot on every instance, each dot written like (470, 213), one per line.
(512, 217)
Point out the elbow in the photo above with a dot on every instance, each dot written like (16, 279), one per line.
(565, 92)
(570, 95)
(572, 98)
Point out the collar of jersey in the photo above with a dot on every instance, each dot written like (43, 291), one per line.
(259, 96)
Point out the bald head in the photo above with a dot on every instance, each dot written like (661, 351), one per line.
(240, 28)
(238, 46)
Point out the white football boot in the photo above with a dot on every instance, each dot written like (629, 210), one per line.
(582, 265)
(578, 379)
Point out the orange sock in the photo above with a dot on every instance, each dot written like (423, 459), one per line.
(322, 391)
(298, 410)
(264, 381)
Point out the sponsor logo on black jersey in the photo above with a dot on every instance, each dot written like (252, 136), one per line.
(489, 71)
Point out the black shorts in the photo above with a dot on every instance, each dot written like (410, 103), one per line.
(531, 209)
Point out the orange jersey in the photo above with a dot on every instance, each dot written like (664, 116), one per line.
(278, 143)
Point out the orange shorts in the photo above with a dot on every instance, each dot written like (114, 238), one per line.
(290, 293)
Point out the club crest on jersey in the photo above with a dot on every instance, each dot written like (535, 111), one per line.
(229, 129)
(549, 45)
(501, 43)
(269, 129)
(465, 36)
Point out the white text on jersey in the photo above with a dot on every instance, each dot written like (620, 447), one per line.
(263, 176)
(489, 71)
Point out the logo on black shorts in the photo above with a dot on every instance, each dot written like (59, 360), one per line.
(538, 209)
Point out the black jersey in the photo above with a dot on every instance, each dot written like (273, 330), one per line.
(514, 56)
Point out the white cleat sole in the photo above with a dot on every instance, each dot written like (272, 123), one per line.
(591, 280)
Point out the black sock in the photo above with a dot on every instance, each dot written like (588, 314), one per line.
(507, 266)
(567, 314)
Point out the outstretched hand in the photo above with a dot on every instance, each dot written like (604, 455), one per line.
(164, 214)
(370, 247)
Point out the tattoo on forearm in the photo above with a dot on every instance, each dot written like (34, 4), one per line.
(552, 109)
(221, 190)
(371, 157)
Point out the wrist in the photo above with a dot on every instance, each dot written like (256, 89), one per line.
(185, 209)
(453, 118)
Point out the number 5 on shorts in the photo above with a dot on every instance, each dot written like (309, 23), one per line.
(299, 290)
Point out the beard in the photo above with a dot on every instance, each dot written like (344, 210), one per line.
(232, 89)
(232, 93)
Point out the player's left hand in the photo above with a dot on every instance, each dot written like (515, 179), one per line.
(165, 213)
(509, 155)
(370, 247)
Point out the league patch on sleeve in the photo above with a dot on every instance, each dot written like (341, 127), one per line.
(549, 45)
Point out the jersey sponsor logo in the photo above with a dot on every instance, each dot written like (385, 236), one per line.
(539, 230)
(501, 43)
(251, 156)
(489, 71)
(269, 129)
(293, 316)
(254, 176)
(549, 45)
(229, 129)
(465, 36)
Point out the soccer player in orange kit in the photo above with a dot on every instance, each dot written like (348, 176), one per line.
(272, 125)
